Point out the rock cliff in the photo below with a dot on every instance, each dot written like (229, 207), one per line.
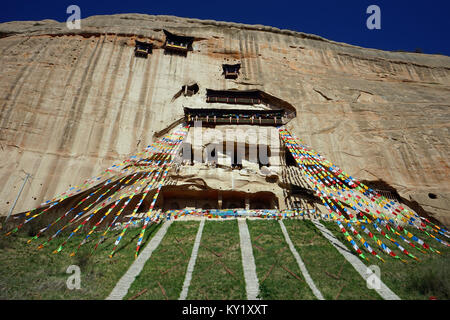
(73, 102)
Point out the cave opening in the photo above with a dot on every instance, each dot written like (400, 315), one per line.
(142, 49)
(231, 71)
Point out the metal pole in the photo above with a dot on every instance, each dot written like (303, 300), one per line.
(17, 198)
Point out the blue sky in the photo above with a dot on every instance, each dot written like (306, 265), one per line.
(405, 25)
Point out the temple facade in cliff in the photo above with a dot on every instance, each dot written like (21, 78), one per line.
(177, 43)
(233, 144)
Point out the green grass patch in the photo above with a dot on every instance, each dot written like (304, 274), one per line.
(163, 274)
(27, 273)
(414, 280)
(332, 274)
(218, 273)
(279, 276)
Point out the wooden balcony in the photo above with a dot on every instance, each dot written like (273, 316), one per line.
(176, 47)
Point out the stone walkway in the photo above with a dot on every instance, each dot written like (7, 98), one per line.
(248, 261)
(360, 267)
(192, 260)
(300, 263)
(121, 288)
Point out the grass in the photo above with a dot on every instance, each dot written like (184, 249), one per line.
(218, 273)
(273, 261)
(163, 274)
(332, 274)
(414, 280)
(29, 274)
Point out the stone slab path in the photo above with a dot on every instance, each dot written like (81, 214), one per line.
(121, 288)
(300, 263)
(360, 267)
(192, 260)
(248, 261)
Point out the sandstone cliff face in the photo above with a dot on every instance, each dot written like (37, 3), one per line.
(73, 102)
